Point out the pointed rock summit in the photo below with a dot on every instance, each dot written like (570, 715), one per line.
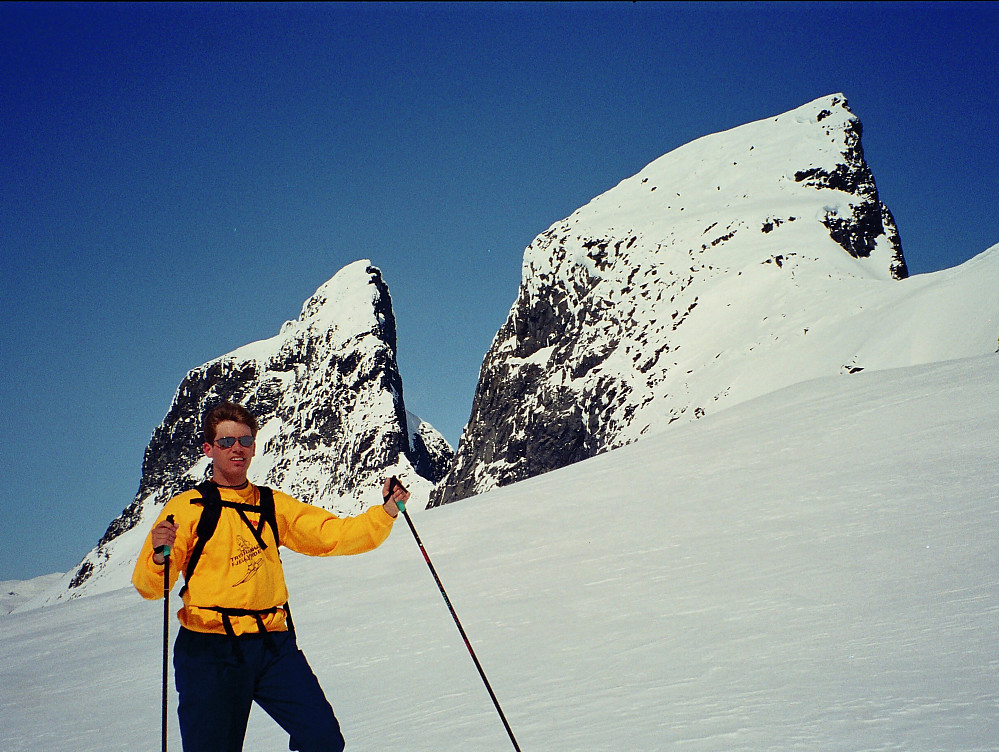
(687, 285)
(328, 397)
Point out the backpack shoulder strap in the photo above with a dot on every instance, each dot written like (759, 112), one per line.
(268, 512)
(211, 502)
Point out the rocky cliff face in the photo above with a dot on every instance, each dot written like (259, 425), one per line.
(328, 397)
(688, 285)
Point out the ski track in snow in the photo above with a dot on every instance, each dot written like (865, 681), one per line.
(815, 569)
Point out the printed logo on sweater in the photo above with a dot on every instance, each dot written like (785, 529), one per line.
(249, 555)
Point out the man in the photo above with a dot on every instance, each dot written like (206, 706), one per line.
(235, 645)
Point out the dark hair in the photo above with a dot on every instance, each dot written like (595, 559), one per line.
(226, 411)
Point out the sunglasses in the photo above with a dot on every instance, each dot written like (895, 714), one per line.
(227, 441)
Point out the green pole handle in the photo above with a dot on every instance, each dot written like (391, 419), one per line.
(393, 482)
(165, 550)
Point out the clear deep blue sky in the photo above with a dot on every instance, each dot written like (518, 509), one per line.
(177, 179)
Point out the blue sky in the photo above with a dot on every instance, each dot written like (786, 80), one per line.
(177, 179)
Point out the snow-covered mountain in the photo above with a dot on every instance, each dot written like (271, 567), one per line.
(737, 264)
(813, 570)
(812, 567)
(328, 396)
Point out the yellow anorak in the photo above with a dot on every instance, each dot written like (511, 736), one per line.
(233, 572)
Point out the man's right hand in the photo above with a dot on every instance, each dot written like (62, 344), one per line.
(394, 494)
(163, 534)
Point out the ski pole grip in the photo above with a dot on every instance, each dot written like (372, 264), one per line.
(164, 550)
(393, 482)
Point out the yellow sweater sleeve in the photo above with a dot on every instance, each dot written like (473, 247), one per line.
(147, 577)
(314, 531)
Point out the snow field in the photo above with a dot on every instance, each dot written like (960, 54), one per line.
(815, 569)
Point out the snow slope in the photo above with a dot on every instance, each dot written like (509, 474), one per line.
(732, 266)
(813, 569)
(14, 594)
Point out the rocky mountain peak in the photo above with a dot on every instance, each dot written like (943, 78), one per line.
(329, 400)
(679, 289)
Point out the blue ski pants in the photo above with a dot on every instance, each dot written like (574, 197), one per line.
(217, 682)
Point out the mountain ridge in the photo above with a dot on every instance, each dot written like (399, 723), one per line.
(328, 396)
(616, 333)
(711, 275)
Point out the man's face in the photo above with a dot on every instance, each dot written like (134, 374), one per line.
(230, 464)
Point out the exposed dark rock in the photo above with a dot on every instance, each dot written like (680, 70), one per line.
(329, 401)
(589, 356)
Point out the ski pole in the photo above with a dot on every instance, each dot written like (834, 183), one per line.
(402, 508)
(165, 552)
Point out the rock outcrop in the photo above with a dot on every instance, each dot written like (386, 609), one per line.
(329, 400)
(685, 286)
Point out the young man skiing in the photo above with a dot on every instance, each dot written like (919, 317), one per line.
(236, 644)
